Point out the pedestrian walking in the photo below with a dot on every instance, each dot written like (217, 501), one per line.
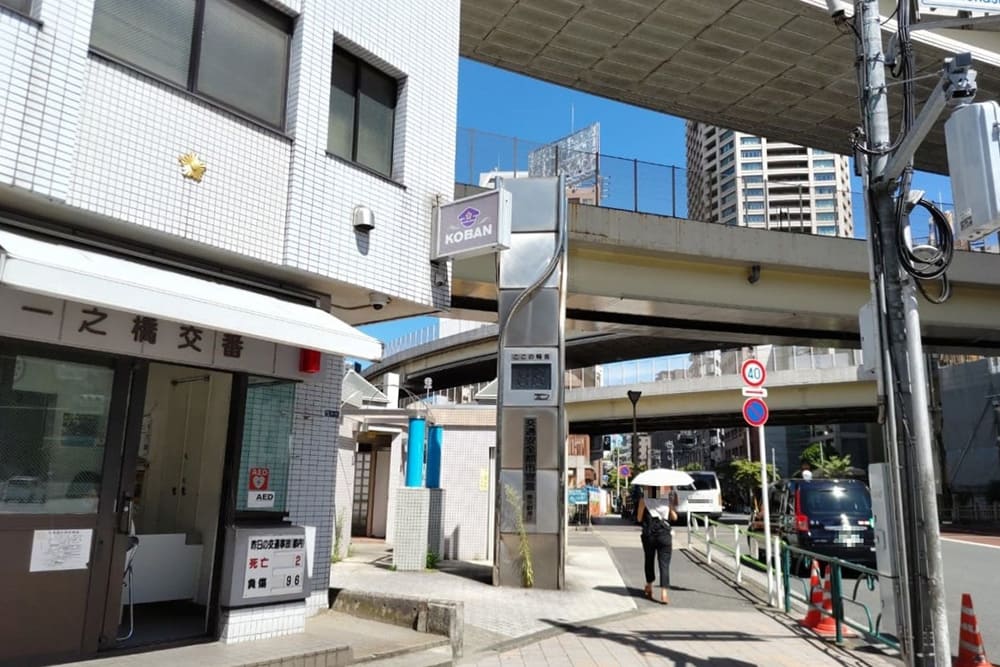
(656, 512)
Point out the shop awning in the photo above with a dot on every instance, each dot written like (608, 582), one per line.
(70, 273)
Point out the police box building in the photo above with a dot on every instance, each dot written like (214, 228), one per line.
(199, 201)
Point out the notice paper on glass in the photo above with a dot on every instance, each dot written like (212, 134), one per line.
(60, 550)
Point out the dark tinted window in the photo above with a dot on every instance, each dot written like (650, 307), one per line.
(362, 119)
(23, 6)
(241, 48)
(851, 498)
(704, 482)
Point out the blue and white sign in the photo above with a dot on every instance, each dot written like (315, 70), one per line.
(471, 226)
(991, 6)
(579, 496)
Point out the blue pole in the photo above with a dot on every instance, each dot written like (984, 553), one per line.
(415, 452)
(435, 436)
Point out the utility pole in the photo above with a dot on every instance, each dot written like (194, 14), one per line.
(922, 618)
(634, 396)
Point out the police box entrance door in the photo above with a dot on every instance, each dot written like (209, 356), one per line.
(175, 486)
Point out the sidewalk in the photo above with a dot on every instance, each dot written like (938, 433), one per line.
(602, 618)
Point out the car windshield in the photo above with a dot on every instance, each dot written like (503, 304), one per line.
(701, 483)
(837, 498)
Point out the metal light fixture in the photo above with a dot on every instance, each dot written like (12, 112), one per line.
(634, 396)
(363, 218)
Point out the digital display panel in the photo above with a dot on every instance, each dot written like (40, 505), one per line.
(531, 376)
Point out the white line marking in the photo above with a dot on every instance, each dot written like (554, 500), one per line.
(975, 544)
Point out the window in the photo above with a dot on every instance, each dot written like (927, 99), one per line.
(823, 164)
(827, 230)
(234, 52)
(752, 166)
(55, 423)
(726, 160)
(753, 153)
(828, 176)
(825, 203)
(826, 190)
(755, 206)
(753, 192)
(753, 179)
(754, 217)
(817, 151)
(749, 141)
(826, 217)
(727, 147)
(267, 427)
(362, 113)
(725, 135)
(728, 185)
(728, 172)
(729, 210)
(19, 6)
(726, 199)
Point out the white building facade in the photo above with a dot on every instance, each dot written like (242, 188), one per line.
(198, 200)
(749, 181)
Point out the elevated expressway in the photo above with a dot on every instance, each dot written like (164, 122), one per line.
(643, 285)
(775, 68)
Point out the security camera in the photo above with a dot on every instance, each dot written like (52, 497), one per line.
(837, 8)
(378, 300)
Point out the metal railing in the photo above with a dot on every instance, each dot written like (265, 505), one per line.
(727, 551)
(427, 334)
(709, 364)
(791, 203)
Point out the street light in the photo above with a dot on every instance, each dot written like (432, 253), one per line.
(634, 397)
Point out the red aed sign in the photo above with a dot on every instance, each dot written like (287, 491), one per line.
(259, 479)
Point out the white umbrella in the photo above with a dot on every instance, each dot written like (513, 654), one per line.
(663, 477)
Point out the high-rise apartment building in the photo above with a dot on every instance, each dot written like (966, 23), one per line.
(740, 179)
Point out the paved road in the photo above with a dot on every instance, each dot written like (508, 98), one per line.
(968, 568)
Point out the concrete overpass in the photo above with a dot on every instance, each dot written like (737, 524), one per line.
(829, 395)
(776, 68)
(643, 285)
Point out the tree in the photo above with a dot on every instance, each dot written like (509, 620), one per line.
(816, 453)
(692, 467)
(835, 466)
(745, 475)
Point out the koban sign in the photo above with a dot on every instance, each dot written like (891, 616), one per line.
(472, 226)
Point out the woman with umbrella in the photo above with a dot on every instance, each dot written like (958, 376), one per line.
(656, 510)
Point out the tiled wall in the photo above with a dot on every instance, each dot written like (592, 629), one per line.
(314, 462)
(132, 131)
(42, 69)
(418, 40)
(249, 623)
(106, 139)
(465, 455)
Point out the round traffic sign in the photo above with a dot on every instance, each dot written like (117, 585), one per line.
(753, 372)
(624, 471)
(755, 411)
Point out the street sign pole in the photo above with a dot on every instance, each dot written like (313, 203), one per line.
(767, 514)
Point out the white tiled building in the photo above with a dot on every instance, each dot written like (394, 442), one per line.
(741, 179)
(323, 133)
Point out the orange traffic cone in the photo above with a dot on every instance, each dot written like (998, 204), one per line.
(814, 616)
(828, 625)
(971, 652)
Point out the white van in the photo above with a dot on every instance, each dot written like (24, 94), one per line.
(702, 497)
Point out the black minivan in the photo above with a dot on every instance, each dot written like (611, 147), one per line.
(831, 517)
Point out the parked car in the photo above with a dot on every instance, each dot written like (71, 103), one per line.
(24, 489)
(704, 496)
(831, 517)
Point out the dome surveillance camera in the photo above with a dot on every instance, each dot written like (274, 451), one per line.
(378, 300)
(837, 8)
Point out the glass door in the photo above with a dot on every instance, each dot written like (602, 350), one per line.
(61, 423)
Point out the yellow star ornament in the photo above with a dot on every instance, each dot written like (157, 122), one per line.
(192, 167)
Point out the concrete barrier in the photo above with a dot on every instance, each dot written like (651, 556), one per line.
(436, 617)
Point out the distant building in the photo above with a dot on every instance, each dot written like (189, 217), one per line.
(740, 179)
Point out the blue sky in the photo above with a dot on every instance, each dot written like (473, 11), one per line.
(498, 105)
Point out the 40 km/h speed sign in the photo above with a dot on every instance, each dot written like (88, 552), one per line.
(753, 373)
